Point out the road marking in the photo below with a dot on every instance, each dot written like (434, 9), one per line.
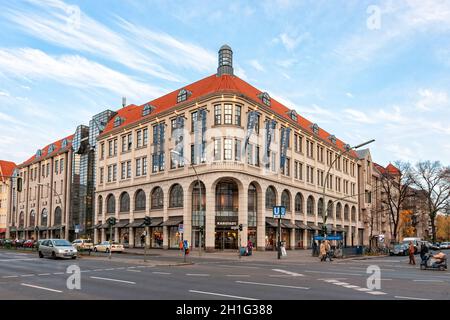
(223, 265)
(140, 266)
(46, 274)
(58, 273)
(294, 274)
(342, 273)
(330, 280)
(350, 286)
(376, 293)
(272, 285)
(221, 295)
(85, 270)
(19, 259)
(198, 274)
(237, 275)
(132, 270)
(364, 289)
(410, 298)
(340, 283)
(42, 288)
(10, 277)
(115, 280)
(131, 267)
(428, 280)
(121, 268)
(27, 275)
(98, 270)
(109, 269)
(157, 272)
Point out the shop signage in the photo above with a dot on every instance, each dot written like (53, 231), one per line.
(270, 130)
(180, 228)
(251, 123)
(226, 221)
(333, 237)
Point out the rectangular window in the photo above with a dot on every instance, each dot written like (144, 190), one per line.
(250, 153)
(101, 175)
(145, 139)
(295, 169)
(102, 150)
(115, 147)
(124, 143)
(155, 158)
(194, 117)
(144, 166)
(300, 143)
(228, 114)
(110, 148)
(338, 162)
(61, 165)
(115, 172)
(138, 167)
(48, 169)
(56, 167)
(257, 124)
(138, 138)
(237, 115)
(237, 150)
(109, 173)
(300, 171)
(122, 170)
(128, 169)
(295, 142)
(217, 114)
(288, 167)
(227, 151)
(43, 170)
(257, 156)
(273, 161)
(217, 149)
(130, 141)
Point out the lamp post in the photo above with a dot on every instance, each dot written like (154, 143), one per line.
(200, 195)
(324, 205)
(57, 194)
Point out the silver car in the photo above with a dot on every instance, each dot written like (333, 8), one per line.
(57, 248)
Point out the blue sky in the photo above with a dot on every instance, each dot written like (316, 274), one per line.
(360, 69)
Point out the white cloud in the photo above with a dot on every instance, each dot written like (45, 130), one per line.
(431, 100)
(348, 94)
(286, 63)
(358, 116)
(255, 64)
(4, 94)
(291, 42)
(72, 70)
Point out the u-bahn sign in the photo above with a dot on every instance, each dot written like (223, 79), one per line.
(279, 211)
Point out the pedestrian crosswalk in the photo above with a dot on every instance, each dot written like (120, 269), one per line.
(354, 287)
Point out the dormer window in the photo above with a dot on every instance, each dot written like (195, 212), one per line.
(147, 109)
(51, 148)
(183, 95)
(39, 153)
(332, 138)
(64, 143)
(315, 128)
(118, 121)
(293, 115)
(265, 98)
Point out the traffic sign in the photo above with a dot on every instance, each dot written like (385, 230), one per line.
(279, 211)
(180, 228)
(77, 228)
(333, 237)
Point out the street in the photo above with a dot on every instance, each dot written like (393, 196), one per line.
(25, 276)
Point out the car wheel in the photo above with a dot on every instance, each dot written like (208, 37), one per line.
(107, 250)
(95, 249)
(53, 255)
(74, 257)
(41, 255)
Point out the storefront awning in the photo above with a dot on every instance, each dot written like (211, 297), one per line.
(313, 227)
(104, 226)
(156, 222)
(287, 224)
(122, 223)
(136, 223)
(29, 229)
(271, 222)
(57, 227)
(12, 229)
(301, 225)
(42, 228)
(338, 229)
(2, 230)
(173, 221)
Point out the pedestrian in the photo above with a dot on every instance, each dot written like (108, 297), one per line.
(249, 248)
(323, 251)
(315, 249)
(411, 253)
(328, 250)
(423, 251)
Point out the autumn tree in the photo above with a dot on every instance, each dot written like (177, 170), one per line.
(434, 180)
(443, 227)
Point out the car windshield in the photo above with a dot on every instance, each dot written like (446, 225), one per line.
(62, 243)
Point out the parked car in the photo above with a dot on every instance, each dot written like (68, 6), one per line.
(18, 243)
(57, 248)
(105, 247)
(399, 249)
(416, 242)
(435, 246)
(83, 244)
(29, 244)
(445, 245)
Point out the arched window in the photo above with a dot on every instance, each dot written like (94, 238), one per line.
(338, 211)
(197, 216)
(310, 206)
(32, 218)
(227, 198)
(319, 207)
(157, 198)
(330, 209)
(176, 196)
(44, 217)
(286, 200)
(100, 206)
(298, 203)
(58, 216)
(21, 220)
(124, 202)
(346, 211)
(271, 198)
(252, 205)
(353, 214)
(139, 200)
(111, 204)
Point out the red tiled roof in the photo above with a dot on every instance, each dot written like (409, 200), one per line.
(379, 168)
(214, 84)
(6, 169)
(58, 147)
(392, 169)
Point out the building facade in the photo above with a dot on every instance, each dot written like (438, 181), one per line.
(6, 172)
(216, 154)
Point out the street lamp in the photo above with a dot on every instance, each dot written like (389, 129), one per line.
(324, 203)
(62, 206)
(200, 194)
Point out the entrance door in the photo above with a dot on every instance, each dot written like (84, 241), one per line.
(226, 239)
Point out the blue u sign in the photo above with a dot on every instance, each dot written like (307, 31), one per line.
(279, 211)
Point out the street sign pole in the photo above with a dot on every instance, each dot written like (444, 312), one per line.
(279, 237)
(110, 242)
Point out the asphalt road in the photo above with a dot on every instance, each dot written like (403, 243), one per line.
(25, 276)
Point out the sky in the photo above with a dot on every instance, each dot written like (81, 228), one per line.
(359, 69)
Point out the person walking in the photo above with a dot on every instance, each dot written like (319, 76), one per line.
(411, 253)
(423, 251)
(329, 254)
(322, 251)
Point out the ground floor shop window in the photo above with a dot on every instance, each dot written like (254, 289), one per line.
(271, 238)
(226, 239)
(252, 236)
(157, 237)
(138, 232)
(299, 239)
(285, 237)
(124, 236)
(174, 237)
(309, 239)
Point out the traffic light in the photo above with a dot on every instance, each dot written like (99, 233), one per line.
(240, 227)
(112, 221)
(147, 221)
(19, 184)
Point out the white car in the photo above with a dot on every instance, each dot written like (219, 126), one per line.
(83, 244)
(105, 246)
(444, 245)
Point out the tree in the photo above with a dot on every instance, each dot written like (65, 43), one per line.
(434, 180)
(442, 228)
(395, 183)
